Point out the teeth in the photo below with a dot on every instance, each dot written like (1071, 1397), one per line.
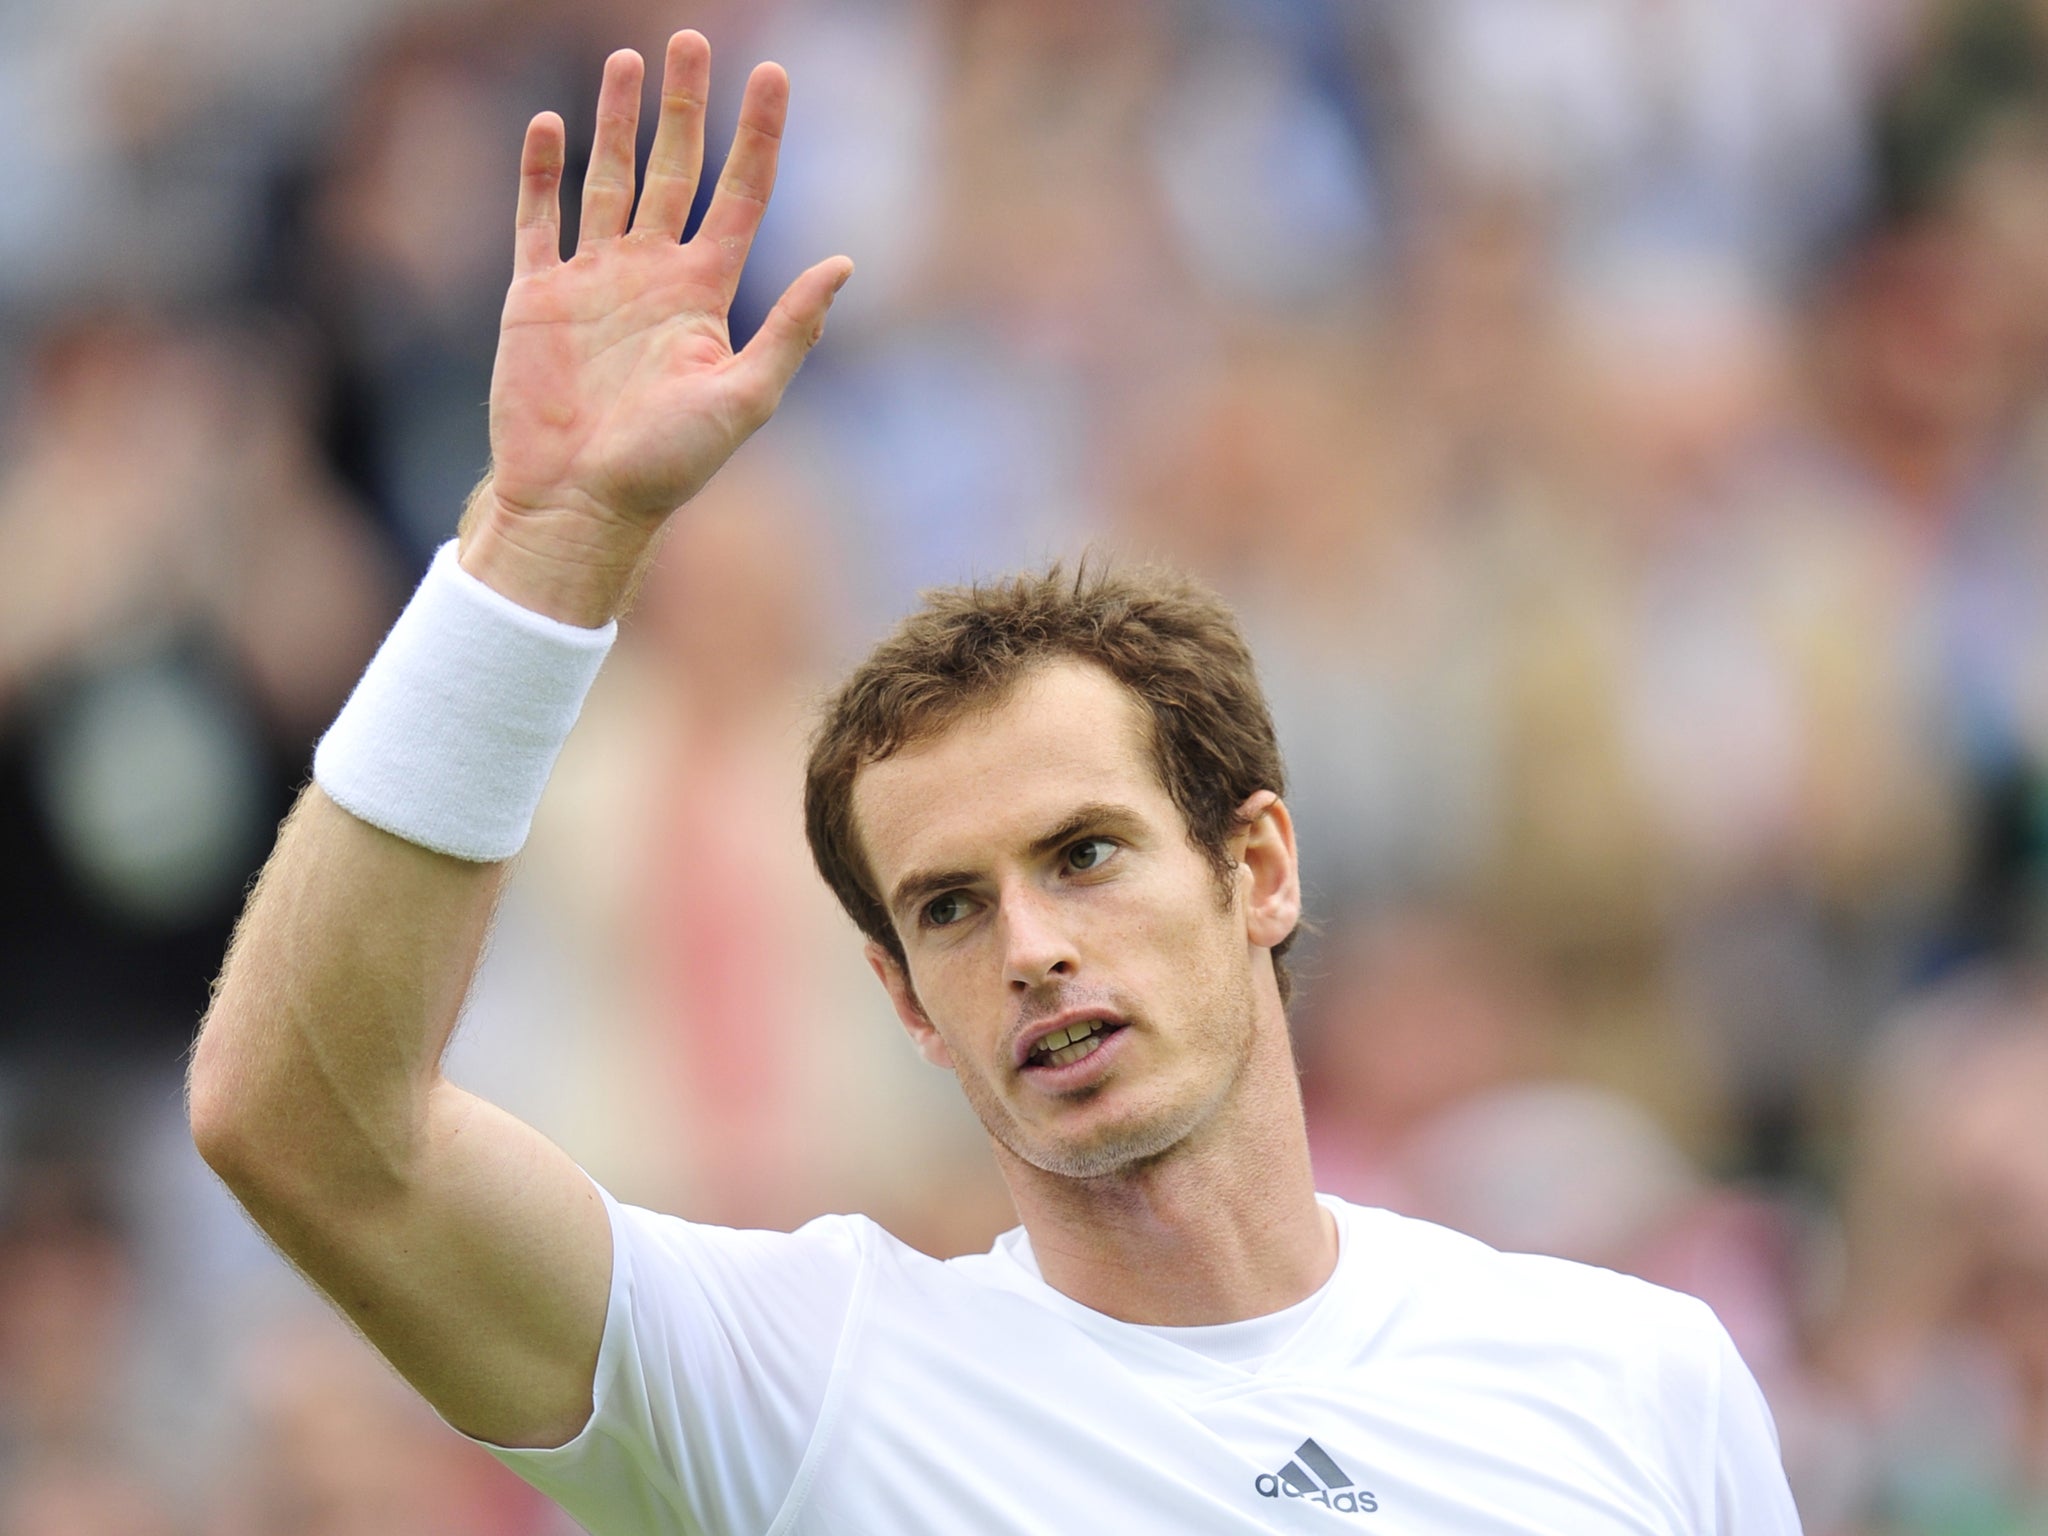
(1064, 1046)
(1072, 1053)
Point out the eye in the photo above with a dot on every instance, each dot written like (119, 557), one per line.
(1089, 853)
(944, 911)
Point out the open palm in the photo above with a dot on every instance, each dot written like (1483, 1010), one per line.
(616, 392)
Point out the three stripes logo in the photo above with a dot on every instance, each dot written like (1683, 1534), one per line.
(1313, 1474)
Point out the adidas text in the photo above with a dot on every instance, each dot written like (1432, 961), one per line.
(1350, 1501)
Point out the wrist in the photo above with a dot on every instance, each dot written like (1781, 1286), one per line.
(450, 735)
(576, 566)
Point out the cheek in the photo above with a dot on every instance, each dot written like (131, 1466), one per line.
(1182, 929)
(961, 984)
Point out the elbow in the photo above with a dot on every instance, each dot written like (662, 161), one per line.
(220, 1145)
(218, 1131)
(276, 1133)
(234, 1128)
(242, 1144)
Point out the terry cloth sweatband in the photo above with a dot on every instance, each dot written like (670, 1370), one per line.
(450, 736)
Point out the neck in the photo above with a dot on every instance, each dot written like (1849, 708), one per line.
(1223, 1227)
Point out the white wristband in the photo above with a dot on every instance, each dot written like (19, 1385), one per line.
(450, 736)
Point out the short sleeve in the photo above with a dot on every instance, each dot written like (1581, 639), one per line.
(1751, 1496)
(718, 1354)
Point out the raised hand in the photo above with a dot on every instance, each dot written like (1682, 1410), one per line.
(617, 393)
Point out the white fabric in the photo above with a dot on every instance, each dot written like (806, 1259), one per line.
(450, 736)
(834, 1382)
(1248, 1344)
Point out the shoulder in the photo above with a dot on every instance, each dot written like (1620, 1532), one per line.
(654, 1248)
(1578, 1358)
(1450, 1284)
(833, 1252)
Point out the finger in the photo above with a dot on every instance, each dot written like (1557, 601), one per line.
(537, 238)
(608, 185)
(749, 175)
(677, 158)
(768, 362)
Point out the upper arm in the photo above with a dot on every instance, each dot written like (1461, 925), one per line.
(483, 1277)
(463, 1244)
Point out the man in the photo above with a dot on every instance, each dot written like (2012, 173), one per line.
(1054, 808)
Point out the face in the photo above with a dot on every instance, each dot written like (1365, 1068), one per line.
(1072, 957)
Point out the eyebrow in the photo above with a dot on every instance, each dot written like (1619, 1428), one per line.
(1096, 816)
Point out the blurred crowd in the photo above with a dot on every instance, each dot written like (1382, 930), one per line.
(1622, 424)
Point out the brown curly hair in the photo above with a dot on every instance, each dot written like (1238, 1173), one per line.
(1171, 641)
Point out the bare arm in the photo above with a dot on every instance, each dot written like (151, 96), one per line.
(466, 1246)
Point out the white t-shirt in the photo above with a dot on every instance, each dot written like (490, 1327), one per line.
(834, 1382)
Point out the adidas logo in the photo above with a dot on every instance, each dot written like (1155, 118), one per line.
(1314, 1474)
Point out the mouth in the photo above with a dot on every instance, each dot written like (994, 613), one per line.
(1070, 1042)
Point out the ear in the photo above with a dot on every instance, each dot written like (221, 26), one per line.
(1268, 870)
(889, 972)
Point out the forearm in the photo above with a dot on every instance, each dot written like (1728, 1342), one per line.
(313, 1080)
(312, 1074)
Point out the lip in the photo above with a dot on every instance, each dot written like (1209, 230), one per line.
(1028, 1041)
(1077, 1077)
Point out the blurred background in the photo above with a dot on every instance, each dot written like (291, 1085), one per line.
(1623, 425)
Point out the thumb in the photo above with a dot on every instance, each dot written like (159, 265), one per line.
(766, 364)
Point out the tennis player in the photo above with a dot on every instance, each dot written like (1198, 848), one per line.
(1053, 806)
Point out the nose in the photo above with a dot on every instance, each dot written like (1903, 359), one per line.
(1037, 947)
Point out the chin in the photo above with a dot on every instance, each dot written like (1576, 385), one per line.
(1132, 1143)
